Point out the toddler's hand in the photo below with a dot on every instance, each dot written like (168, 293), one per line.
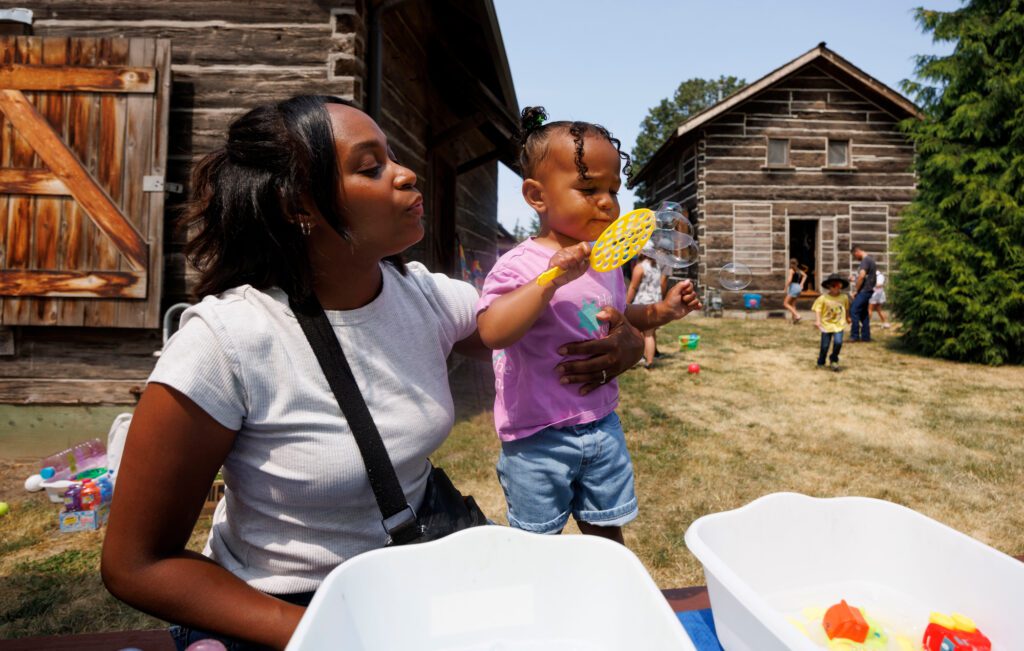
(573, 260)
(682, 299)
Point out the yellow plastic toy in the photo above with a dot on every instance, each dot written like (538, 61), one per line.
(617, 245)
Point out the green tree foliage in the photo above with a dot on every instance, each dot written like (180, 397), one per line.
(959, 286)
(692, 97)
(520, 233)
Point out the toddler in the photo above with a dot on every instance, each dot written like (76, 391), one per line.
(563, 452)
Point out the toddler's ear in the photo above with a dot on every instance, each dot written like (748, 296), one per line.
(533, 193)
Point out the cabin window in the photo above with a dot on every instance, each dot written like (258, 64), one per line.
(778, 152)
(838, 153)
(686, 172)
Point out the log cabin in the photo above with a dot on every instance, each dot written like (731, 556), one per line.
(802, 163)
(106, 104)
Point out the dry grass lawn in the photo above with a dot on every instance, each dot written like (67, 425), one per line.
(943, 438)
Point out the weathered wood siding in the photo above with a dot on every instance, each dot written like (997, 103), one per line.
(82, 123)
(744, 208)
(227, 57)
(413, 113)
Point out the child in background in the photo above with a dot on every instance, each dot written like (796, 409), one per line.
(647, 285)
(831, 314)
(563, 452)
(877, 299)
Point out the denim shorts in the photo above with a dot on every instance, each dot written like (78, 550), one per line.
(794, 290)
(584, 470)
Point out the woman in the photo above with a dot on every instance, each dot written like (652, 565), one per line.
(646, 286)
(877, 300)
(305, 199)
(795, 281)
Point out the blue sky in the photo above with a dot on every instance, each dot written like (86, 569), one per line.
(609, 61)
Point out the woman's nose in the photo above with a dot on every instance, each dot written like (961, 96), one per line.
(405, 177)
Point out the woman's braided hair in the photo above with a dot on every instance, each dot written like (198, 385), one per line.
(535, 132)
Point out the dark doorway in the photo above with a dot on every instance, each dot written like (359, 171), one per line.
(803, 245)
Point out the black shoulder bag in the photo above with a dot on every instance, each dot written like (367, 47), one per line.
(444, 510)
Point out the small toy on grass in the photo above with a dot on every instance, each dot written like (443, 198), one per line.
(34, 483)
(689, 341)
(4, 509)
(954, 632)
(693, 369)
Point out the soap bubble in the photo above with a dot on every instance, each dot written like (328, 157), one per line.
(734, 276)
(673, 249)
(668, 214)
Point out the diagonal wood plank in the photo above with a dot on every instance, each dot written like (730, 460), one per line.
(66, 167)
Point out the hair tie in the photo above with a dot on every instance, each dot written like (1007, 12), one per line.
(536, 121)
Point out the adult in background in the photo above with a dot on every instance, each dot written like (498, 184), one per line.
(863, 289)
(795, 281)
(647, 286)
(306, 199)
(878, 300)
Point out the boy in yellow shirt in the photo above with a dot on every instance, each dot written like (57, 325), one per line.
(831, 314)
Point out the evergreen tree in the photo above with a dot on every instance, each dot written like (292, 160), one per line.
(519, 233)
(959, 282)
(692, 97)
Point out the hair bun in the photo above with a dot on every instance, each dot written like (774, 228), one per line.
(533, 118)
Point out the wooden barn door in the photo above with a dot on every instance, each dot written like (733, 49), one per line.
(83, 142)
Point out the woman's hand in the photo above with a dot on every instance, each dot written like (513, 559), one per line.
(607, 357)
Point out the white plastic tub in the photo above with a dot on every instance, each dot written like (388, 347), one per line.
(784, 552)
(491, 588)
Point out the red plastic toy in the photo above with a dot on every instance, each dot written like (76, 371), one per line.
(845, 621)
(694, 368)
(954, 632)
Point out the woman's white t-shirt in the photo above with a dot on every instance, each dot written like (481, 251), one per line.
(297, 500)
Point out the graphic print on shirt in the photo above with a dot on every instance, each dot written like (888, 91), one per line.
(832, 313)
(501, 364)
(588, 317)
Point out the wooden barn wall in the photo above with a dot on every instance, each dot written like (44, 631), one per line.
(411, 113)
(746, 209)
(677, 179)
(228, 57)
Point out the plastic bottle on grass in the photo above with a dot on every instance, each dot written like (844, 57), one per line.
(106, 488)
(72, 498)
(91, 497)
(85, 455)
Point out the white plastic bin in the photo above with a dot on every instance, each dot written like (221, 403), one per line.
(492, 588)
(784, 552)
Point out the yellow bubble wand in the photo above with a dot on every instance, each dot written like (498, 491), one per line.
(617, 245)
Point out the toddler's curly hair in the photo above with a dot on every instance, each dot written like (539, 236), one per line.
(535, 132)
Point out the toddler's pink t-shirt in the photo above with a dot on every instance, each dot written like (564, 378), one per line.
(529, 396)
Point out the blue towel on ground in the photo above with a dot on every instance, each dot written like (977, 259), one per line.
(701, 628)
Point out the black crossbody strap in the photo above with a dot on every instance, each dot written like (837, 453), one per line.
(399, 518)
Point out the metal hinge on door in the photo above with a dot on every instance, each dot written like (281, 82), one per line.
(157, 184)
